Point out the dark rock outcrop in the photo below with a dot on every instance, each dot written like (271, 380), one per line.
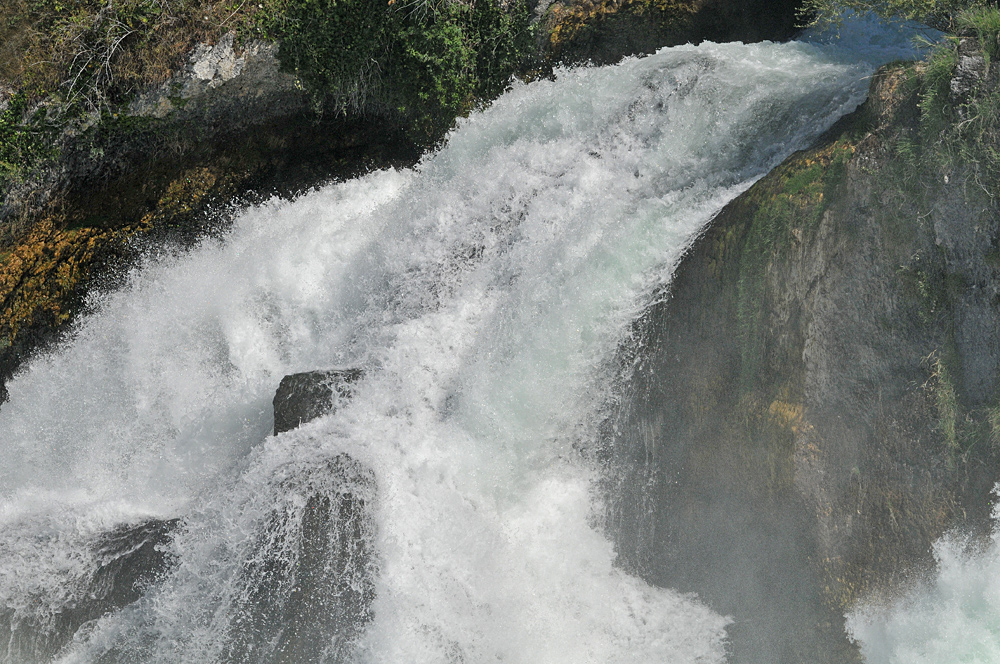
(814, 402)
(308, 584)
(303, 397)
(128, 560)
(605, 31)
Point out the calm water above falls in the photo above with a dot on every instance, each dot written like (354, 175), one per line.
(485, 292)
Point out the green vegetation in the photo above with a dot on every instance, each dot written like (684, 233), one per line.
(966, 432)
(941, 14)
(92, 54)
(792, 207)
(963, 130)
(984, 23)
(419, 64)
(425, 63)
(958, 110)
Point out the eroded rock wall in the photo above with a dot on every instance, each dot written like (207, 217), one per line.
(814, 401)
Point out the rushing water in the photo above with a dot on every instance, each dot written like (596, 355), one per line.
(485, 293)
(951, 618)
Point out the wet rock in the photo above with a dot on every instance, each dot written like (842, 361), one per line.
(128, 559)
(303, 397)
(970, 71)
(131, 558)
(307, 586)
(810, 408)
(605, 31)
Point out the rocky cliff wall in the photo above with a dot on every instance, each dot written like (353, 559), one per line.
(814, 401)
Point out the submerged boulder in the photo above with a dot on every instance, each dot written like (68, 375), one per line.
(307, 584)
(127, 560)
(303, 397)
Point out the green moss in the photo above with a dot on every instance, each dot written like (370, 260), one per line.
(949, 412)
(966, 434)
(791, 206)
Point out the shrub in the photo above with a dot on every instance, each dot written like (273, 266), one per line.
(424, 63)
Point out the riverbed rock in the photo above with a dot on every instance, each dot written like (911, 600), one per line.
(127, 561)
(813, 403)
(306, 588)
(303, 397)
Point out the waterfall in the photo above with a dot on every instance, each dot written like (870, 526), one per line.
(447, 511)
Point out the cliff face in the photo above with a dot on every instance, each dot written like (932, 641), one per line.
(814, 401)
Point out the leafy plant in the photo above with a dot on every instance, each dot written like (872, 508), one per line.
(424, 63)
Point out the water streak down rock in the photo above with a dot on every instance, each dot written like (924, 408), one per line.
(128, 560)
(307, 585)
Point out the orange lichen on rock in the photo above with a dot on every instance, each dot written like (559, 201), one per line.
(567, 19)
(41, 277)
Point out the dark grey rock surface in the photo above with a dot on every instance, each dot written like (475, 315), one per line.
(306, 589)
(127, 560)
(303, 397)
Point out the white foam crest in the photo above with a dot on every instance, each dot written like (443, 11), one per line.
(954, 617)
(485, 293)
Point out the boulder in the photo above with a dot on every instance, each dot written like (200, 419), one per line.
(128, 560)
(814, 403)
(306, 588)
(303, 397)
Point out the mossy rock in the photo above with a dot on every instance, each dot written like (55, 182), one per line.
(821, 384)
(604, 31)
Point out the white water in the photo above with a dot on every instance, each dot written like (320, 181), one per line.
(951, 618)
(485, 292)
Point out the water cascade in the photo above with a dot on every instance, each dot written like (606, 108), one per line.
(954, 616)
(448, 506)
